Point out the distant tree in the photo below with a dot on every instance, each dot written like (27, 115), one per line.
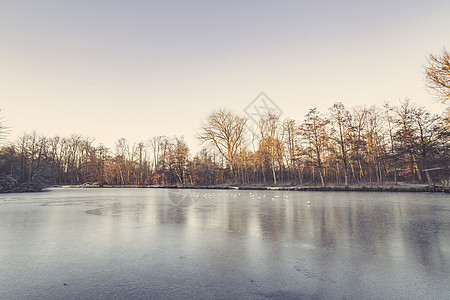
(3, 130)
(358, 143)
(437, 73)
(426, 125)
(375, 144)
(341, 121)
(162, 169)
(178, 157)
(389, 119)
(315, 133)
(205, 170)
(154, 144)
(270, 144)
(290, 133)
(443, 139)
(406, 134)
(225, 131)
(142, 167)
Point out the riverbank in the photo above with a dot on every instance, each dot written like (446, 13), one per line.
(27, 187)
(9, 184)
(414, 188)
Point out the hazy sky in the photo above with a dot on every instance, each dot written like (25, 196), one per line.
(137, 69)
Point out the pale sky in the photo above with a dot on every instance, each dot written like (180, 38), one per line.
(137, 69)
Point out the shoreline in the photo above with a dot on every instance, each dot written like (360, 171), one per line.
(410, 188)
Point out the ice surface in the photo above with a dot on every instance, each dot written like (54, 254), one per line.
(149, 243)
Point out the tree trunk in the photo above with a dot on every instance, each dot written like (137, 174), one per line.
(346, 176)
(322, 177)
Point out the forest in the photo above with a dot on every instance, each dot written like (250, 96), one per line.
(342, 146)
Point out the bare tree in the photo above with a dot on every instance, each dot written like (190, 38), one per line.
(225, 131)
(178, 157)
(290, 130)
(270, 144)
(375, 144)
(407, 134)
(358, 143)
(390, 123)
(314, 131)
(340, 118)
(437, 73)
(3, 130)
(443, 139)
(154, 144)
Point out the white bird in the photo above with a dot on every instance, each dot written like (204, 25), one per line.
(309, 202)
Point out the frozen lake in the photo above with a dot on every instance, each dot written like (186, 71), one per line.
(166, 244)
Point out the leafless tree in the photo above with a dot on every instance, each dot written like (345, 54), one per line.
(341, 121)
(269, 144)
(314, 131)
(437, 72)
(225, 131)
(178, 157)
(290, 130)
(3, 130)
(406, 134)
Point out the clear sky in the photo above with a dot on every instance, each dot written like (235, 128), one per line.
(137, 69)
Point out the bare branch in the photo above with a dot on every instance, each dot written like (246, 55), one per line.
(437, 72)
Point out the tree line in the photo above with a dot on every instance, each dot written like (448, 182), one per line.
(340, 147)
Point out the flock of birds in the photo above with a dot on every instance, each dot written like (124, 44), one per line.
(238, 195)
(273, 198)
